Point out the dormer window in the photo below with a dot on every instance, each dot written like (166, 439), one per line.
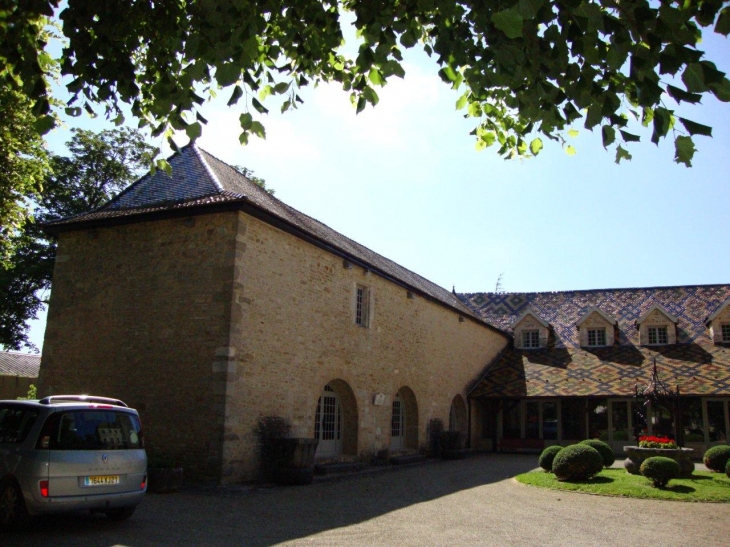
(531, 332)
(596, 338)
(657, 327)
(596, 329)
(719, 323)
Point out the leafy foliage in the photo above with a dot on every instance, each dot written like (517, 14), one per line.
(258, 181)
(577, 462)
(604, 450)
(659, 470)
(31, 395)
(717, 457)
(525, 67)
(100, 165)
(548, 456)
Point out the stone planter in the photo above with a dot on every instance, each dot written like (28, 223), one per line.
(294, 460)
(636, 456)
(163, 480)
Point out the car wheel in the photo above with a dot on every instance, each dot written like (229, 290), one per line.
(120, 514)
(13, 513)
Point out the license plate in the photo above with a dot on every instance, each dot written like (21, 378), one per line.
(103, 480)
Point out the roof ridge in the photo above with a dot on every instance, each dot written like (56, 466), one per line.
(615, 289)
(207, 167)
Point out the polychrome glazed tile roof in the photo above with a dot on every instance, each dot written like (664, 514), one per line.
(563, 369)
(25, 365)
(201, 180)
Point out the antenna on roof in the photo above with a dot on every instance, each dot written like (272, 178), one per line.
(453, 289)
(498, 288)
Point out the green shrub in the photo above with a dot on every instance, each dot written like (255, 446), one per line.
(577, 462)
(604, 450)
(547, 457)
(716, 458)
(694, 438)
(659, 470)
(727, 469)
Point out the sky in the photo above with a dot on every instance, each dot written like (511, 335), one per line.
(404, 179)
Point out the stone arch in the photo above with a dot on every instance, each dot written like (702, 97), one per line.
(346, 414)
(458, 415)
(409, 407)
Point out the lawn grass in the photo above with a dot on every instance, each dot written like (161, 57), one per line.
(703, 486)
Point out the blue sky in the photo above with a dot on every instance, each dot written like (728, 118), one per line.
(405, 180)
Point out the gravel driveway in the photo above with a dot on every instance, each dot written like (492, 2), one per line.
(449, 503)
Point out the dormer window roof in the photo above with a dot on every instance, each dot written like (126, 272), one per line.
(657, 327)
(531, 331)
(596, 329)
(719, 324)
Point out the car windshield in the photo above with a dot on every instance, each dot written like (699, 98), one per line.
(92, 430)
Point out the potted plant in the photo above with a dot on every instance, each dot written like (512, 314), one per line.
(163, 475)
(453, 445)
(651, 446)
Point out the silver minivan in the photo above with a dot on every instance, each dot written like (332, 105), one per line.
(70, 453)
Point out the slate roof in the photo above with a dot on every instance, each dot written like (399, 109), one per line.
(695, 363)
(25, 365)
(200, 180)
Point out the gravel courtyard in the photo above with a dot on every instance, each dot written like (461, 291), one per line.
(449, 503)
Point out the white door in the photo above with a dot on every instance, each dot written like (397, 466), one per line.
(398, 424)
(328, 424)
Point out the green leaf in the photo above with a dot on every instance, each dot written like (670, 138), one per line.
(361, 104)
(684, 150)
(694, 78)
(696, 128)
(228, 74)
(608, 134)
(163, 165)
(721, 90)
(246, 120)
(723, 22)
(448, 74)
(44, 124)
(622, 154)
(510, 22)
(408, 39)
(376, 77)
(573, 133)
(258, 130)
(261, 109)
(461, 102)
(281, 88)
(488, 138)
(629, 137)
(194, 130)
(594, 116)
(536, 146)
(680, 95)
(570, 150)
(662, 123)
(528, 8)
(237, 94)
(73, 111)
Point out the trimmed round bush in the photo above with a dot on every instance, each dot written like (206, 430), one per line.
(727, 469)
(547, 457)
(659, 470)
(716, 458)
(577, 462)
(604, 450)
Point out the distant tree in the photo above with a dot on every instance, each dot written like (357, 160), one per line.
(498, 288)
(99, 166)
(249, 174)
(526, 69)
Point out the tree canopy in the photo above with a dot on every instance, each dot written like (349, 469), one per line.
(526, 69)
(99, 166)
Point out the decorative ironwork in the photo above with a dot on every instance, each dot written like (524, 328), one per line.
(658, 396)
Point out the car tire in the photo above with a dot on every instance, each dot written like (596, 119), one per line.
(13, 513)
(120, 514)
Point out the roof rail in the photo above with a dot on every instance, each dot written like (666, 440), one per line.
(81, 399)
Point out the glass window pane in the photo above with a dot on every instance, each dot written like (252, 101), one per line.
(572, 415)
(511, 420)
(694, 431)
(716, 421)
(550, 421)
(638, 415)
(662, 422)
(598, 419)
(532, 420)
(620, 420)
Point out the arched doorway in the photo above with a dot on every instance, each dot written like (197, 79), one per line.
(404, 420)
(335, 420)
(457, 415)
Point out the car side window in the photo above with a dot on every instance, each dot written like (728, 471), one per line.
(15, 423)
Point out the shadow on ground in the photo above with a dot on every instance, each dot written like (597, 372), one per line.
(268, 516)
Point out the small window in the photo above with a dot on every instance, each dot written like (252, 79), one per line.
(362, 306)
(725, 330)
(91, 430)
(657, 335)
(15, 423)
(530, 339)
(596, 337)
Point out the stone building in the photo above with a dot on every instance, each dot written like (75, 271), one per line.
(17, 372)
(579, 357)
(207, 304)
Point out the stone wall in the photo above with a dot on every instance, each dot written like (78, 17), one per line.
(207, 325)
(12, 387)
